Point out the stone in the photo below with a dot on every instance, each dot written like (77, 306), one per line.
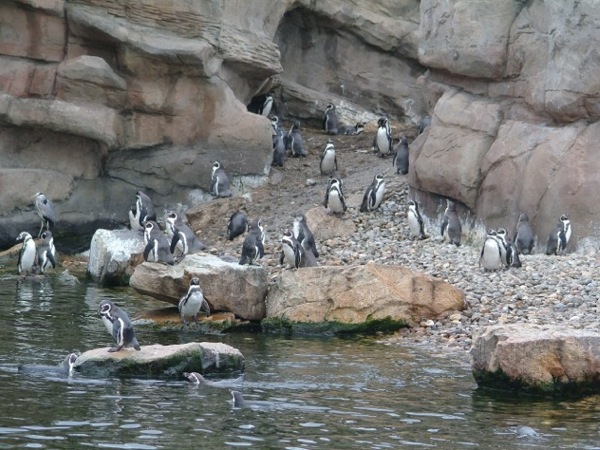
(537, 359)
(162, 361)
(227, 286)
(325, 225)
(113, 256)
(357, 295)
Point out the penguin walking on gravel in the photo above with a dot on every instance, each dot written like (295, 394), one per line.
(416, 225)
(559, 237)
(400, 161)
(373, 195)
(330, 120)
(334, 197)
(45, 210)
(491, 254)
(328, 164)
(238, 225)
(27, 255)
(193, 302)
(451, 223)
(383, 138)
(119, 325)
(303, 234)
(524, 238)
(253, 245)
(46, 252)
(295, 143)
(219, 185)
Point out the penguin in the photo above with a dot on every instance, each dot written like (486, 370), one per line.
(400, 161)
(524, 238)
(157, 246)
(46, 252)
(142, 212)
(328, 163)
(334, 197)
(451, 223)
(253, 246)
(290, 250)
(415, 221)
(193, 302)
(183, 238)
(196, 378)
(238, 224)
(278, 151)
(45, 210)
(307, 257)
(151, 231)
(559, 237)
(383, 138)
(119, 326)
(425, 122)
(330, 120)
(219, 185)
(65, 368)
(261, 105)
(491, 254)
(508, 250)
(348, 130)
(27, 255)
(373, 195)
(302, 233)
(276, 126)
(237, 399)
(294, 141)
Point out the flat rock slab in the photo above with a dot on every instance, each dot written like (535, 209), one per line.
(539, 359)
(160, 361)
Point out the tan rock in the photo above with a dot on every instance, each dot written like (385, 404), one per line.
(327, 226)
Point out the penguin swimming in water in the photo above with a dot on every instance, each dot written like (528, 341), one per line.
(559, 237)
(328, 163)
(295, 142)
(334, 197)
(383, 138)
(142, 212)
(196, 378)
(400, 161)
(373, 195)
(183, 238)
(524, 238)
(290, 250)
(219, 185)
(330, 120)
(46, 252)
(303, 234)
(253, 246)
(261, 105)
(27, 255)
(65, 368)
(193, 302)
(491, 254)
(45, 210)
(119, 325)
(238, 225)
(415, 221)
(451, 223)
(157, 247)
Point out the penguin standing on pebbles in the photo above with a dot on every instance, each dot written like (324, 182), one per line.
(373, 195)
(119, 325)
(524, 237)
(559, 237)
(278, 151)
(219, 185)
(45, 210)
(508, 250)
(328, 163)
(330, 120)
(193, 302)
(400, 161)
(415, 221)
(295, 142)
(238, 225)
(27, 255)
(383, 138)
(491, 255)
(303, 234)
(253, 246)
(334, 197)
(46, 253)
(451, 223)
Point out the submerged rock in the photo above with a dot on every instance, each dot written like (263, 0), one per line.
(162, 360)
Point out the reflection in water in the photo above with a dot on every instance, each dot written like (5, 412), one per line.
(299, 393)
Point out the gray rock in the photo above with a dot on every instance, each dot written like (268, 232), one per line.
(162, 361)
(111, 254)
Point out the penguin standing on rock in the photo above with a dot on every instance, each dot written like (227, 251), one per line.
(142, 212)
(373, 195)
(27, 255)
(193, 302)
(157, 247)
(290, 250)
(303, 234)
(238, 224)
(307, 257)
(524, 237)
(559, 237)
(330, 120)
(328, 163)
(349, 130)
(183, 238)
(219, 185)
(334, 197)
(46, 253)
(491, 254)
(400, 161)
(119, 325)
(415, 221)
(45, 210)
(383, 138)
(451, 223)
(253, 246)
(295, 142)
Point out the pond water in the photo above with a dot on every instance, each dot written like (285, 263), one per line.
(300, 393)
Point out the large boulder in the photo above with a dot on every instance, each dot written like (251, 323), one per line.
(537, 359)
(356, 296)
(159, 361)
(227, 286)
(113, 256)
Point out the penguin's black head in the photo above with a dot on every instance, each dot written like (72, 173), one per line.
(287, 233)
(411, 203)
(172, 216)
(523, 217)
(216, 165)
(329, 107)
(296, 125)
(105, 307)
(491, 232)
(564, 218)
(195, 281)
(23, 236)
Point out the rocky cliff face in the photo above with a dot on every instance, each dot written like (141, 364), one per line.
(100, 98)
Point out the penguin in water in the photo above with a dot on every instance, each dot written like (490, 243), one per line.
(303, 234)
(290, 250)
(451, 223)
(261, 105)
(524, 237)
(65, 368)
(415, 221)
(330, 120)
(27, 255)
(118, 325)
(491, 254)
(349, 130)
(238, 225)
(559, 237)
(45, 210)
(383, 138)
(373, 195)
(334, 197)
(253, 246)
(157, 246)
(219, 185)
(237, 399)
(183, 238)
(295, 142)
(328, 163)
(193, 302)
(196, 378)
(400, 161)
(142, 212)
(46, 252)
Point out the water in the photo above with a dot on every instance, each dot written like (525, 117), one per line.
(301, 393)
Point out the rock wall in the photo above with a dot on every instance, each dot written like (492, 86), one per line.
(100, 98)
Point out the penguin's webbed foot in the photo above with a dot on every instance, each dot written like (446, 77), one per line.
(116, 348)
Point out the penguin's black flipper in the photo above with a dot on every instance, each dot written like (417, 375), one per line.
(148, 248)
(50, 257)
(174, 242)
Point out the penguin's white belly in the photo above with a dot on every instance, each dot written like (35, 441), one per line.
(335, 202)
(414, 225)
(289, 256)
(193, 304)
(491, 258)
(328, 163)
(379, 195)
(28, 256)
(108, 324)
(383, 144)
